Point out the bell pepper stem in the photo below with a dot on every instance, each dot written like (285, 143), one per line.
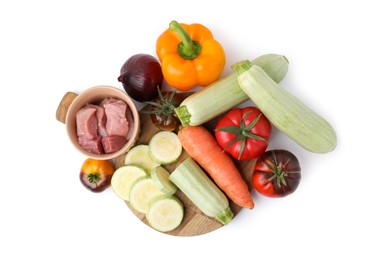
(187, 48)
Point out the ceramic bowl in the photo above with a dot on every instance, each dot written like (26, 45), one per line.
(94, 95)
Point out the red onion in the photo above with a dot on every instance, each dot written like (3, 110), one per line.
(141, 75)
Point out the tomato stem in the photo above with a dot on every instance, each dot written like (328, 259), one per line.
(278, 173)
(165, 108)
(94, 177)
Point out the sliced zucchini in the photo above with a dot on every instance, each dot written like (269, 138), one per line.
(160, 176)
(165, 213)
(142, 192)
(165, 147)
(123, 178)
(139, 156)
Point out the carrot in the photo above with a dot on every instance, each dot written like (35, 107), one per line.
(204, 149)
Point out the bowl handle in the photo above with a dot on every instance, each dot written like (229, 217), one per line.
(64, 106)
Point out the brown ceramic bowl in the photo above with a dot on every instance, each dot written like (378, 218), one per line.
(95, 95)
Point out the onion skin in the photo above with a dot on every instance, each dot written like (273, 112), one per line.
(141, 75)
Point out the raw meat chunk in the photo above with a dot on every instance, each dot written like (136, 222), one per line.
(87, 123)
(116, 123)
(104, 128)
(113, 143)
(93, 145)
(101, 119)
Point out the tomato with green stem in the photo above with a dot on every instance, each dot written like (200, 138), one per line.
(161, 109)
(243, 132)
(95, 175)
(277, 173)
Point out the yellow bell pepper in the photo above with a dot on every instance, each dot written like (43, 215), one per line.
(189, 56)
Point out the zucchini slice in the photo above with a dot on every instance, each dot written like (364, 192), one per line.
(165, 213)
(142, 192)
(165, 147)
(123, 178)
(139, 156)
(160, 176)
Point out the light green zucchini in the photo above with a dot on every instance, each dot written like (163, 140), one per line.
(165, 147)
(123, 178)
(160, 177)
(225, 93)
(142, 192)
(139, 156)
(284, 110)
(165, 213)
(199, 188)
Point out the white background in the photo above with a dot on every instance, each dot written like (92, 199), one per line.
(339, 65)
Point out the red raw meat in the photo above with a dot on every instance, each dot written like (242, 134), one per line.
(101, 119)
(104, 128)
(87, 123)
(93, 146)
(117, 123)
(113, 143)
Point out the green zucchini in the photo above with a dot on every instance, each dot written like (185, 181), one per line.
(123, 178)
(139, 156)
(285, 111)
(165, 147)
(160, 177)
(142, 192)
(199, 188)
(225, 93)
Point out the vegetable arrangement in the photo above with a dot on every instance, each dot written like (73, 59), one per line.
(209, 177)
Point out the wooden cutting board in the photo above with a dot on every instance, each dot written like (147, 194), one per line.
(194, 222)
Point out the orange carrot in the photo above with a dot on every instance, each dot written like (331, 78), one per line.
(204, 149)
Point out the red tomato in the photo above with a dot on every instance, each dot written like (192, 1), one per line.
(243, 133)
(277, 174)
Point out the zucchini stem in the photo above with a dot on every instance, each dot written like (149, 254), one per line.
(241, 66)
(225, 216)
(183, 114)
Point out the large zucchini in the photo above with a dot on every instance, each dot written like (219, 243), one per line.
(225, 93)
(199, 188)
(284, 110)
